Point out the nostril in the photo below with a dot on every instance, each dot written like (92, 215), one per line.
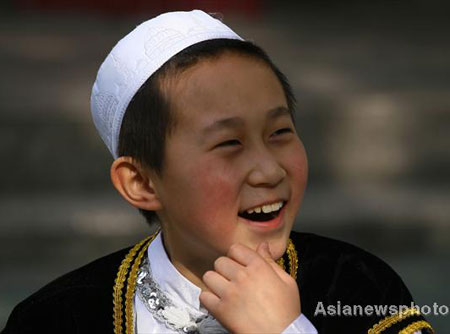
(268, 174)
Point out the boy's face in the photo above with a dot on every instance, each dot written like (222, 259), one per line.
(234, 148)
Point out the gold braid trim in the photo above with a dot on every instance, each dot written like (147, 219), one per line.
(393, 319)
(415, 326)
(119, 284)
(131, 286)
(293, 259)
(280, 262)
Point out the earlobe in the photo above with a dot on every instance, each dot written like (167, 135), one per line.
(131, 181)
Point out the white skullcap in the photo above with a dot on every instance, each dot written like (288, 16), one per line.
(137, 56)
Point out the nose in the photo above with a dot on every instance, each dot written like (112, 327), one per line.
(265, 170)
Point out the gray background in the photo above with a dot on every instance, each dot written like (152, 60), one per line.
(372, 82)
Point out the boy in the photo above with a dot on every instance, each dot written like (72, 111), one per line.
(201, 126)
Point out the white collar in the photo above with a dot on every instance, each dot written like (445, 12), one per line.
(170, 280)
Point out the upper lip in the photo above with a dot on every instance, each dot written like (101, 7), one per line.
(262, 204)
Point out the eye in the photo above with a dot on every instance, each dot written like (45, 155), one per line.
(232, 142)
(282, 131)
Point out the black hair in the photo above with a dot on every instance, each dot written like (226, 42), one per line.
(148, 120)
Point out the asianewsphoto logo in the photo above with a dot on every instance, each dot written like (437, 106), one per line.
(354, 310)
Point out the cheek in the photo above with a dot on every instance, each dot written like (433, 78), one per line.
(217, 192)
(300, 169)
(297, 167)
(216, 218)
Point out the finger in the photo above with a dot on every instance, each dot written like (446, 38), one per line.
(210, 301)
(242, 254)
(228, 268)
(264, 250)
(216, 283)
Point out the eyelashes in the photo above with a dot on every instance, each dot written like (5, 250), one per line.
(282, 131)
(232, 142)
(237, 142)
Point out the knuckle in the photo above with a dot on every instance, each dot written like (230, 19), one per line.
(219, 262)
(203, 298)
(221, 308)
(241, 276)
(231, 294)
(234, 249)
(292, 283)
(207, 276)
(259, 263)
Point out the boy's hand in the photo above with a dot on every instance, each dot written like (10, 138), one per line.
(250, 293)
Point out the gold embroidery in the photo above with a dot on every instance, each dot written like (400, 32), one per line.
(293, 259)
(131, 282)
(131, 287)
(415, 326)
(393, 319)
(119, 284)
(280, 262)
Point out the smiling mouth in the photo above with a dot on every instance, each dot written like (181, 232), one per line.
(261, 216)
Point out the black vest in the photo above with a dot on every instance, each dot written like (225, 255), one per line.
(333, 277)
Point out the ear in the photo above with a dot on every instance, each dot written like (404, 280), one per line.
(134, 184)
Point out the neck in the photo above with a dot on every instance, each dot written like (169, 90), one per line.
(189, 264)
(192, 274)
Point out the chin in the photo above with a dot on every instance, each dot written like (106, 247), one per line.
(278, 247)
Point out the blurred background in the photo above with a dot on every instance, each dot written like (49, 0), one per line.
(372, 81)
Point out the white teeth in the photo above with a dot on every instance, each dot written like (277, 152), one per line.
(267, 208)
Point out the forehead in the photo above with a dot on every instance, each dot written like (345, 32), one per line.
(230, 85)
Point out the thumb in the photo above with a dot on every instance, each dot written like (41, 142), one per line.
(264, 250)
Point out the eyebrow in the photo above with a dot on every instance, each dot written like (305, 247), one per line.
(278, 112)
(237, 122)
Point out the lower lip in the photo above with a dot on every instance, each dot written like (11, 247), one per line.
(269, 225)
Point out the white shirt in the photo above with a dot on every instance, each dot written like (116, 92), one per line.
(184, 293)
